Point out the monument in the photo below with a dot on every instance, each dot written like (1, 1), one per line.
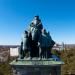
(35, 57)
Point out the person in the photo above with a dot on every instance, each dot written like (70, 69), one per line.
(42, 43)
(45, 44)
(26, 46)
(35, 31)
(21, 54)
(50, 45)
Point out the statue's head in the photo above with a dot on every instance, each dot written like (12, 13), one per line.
(25, 34)
(44, 31)
(36, 20)
(36, 17)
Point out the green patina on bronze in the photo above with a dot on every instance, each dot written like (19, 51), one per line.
(36, 62)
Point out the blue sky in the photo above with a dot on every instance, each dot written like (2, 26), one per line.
(58, 17)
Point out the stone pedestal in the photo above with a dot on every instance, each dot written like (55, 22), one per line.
(36, 67)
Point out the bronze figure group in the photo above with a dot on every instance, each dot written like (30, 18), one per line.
(36, 41)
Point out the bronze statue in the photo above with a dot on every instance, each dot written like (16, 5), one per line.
(36, 41)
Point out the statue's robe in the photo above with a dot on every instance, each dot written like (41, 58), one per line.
(50, 45)
(45, 43)
(26, 46)
(35, 31)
